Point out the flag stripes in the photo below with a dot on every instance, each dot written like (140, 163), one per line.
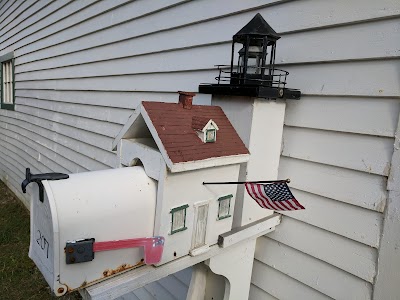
(275, 196)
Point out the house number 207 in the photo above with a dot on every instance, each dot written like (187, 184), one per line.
(42, 242)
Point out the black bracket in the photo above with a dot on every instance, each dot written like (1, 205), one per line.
(79, 251)
(38, 179)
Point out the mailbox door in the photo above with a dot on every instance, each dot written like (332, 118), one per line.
(44, 246)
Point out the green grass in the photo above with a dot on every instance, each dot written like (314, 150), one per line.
(19, 277)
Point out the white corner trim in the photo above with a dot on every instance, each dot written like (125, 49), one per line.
(210, 122)
(126, 127)
(388, 276)
(208, 163)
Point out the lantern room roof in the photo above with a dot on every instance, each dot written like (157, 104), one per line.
(257, 27)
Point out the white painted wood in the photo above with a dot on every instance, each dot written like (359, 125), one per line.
(308, 15)
(282, 286)
(257, 293)
(344, 253)
(335, 80)
(129, 281)
(357, 188)
(236, 266)
(332, 148)
(311, 271)
(140, 149)
(345, 114)
(356, 223)
(109, 114)
(257, 228)
(386, 286)
(197, 288)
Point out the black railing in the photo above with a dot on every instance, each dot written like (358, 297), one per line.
(273, 78)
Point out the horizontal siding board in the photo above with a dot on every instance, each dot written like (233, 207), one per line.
(258, 294)
(8, 177)
(71, 133)
(60, 14)
(100, 15)
(158, 292)
(345, 114)
(338, 79)
(352, 151)
(308, 15)
(61, 155)
(174, 287)
(106, 114)
(184, 276)
(90, 125)
(37, 159)
(311, 271)
(353, 187)
(311, 46)
(143, 294)
(28, 13)
(343, 253)
(118, 99)
(58, 162)
(32, 24)
(350, 221)
(282, 286)
(133, 26)
(12, 16)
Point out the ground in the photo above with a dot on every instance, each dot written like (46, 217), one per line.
(19, 277)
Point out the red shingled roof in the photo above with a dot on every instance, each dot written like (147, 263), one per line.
(173, 124)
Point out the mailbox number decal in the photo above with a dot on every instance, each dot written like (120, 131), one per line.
(43, 243)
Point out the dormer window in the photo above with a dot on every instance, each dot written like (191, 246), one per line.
(205, 128)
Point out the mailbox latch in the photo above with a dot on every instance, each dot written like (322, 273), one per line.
(29, 177)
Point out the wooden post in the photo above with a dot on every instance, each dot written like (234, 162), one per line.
(259, 123)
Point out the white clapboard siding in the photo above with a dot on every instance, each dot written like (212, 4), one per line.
(282, 286)
(368, 38)
(107, 114)
(350, 221)
(308, 15)
(345, 114)
(120, 99)
(90, 157)
(326, 147)
(338, 79)
(311, 271)
(103, 128)
(256, 294)
(82, 67)
(34, 7)
(353, 187)
(341, 252)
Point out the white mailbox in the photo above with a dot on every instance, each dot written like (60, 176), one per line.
(74, 222)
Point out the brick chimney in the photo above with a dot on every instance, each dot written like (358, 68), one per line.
(186, 99)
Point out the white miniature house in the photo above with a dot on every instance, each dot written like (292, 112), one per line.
(181, 145)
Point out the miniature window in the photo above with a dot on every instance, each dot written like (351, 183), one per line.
(7, 81)
(210, 135)
(178, 215)
(224, 207)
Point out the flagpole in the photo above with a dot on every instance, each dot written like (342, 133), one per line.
(243, 182)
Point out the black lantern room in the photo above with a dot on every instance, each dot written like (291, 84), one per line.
(253, 72)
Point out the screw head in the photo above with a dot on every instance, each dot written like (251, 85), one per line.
(60, 290)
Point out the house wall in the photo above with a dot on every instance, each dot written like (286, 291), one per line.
(82, 66)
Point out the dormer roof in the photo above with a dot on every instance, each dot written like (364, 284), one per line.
(173, 129)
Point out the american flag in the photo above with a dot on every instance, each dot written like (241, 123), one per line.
(276, 196)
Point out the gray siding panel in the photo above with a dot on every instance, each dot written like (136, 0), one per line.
(83, 66)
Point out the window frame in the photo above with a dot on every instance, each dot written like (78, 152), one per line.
(3, 59)
(215, 135)
(229, 197)
(172, 212)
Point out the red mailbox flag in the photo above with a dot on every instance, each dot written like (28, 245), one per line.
(276, 196)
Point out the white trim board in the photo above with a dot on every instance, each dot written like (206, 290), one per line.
(129, 281)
